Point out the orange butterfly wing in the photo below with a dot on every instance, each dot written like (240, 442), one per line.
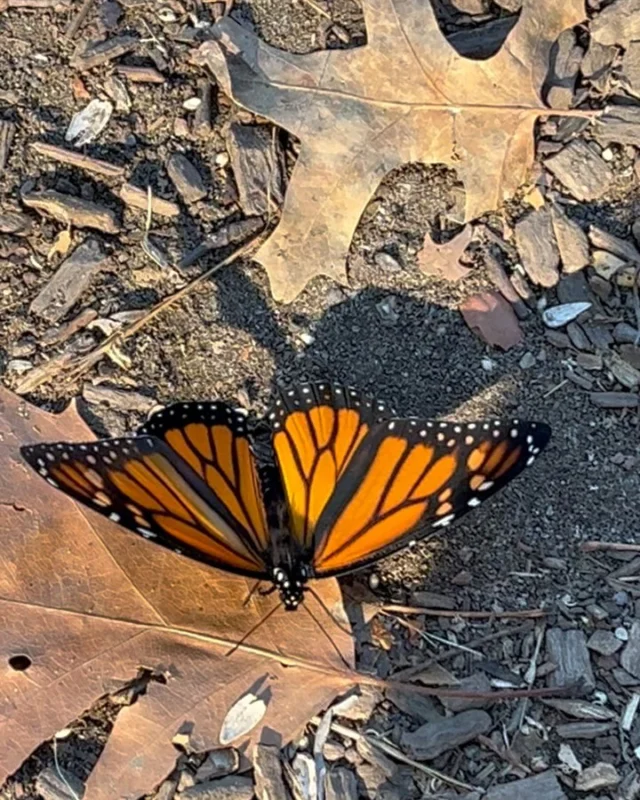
(151, 488)
(212, 439)
(317, 429)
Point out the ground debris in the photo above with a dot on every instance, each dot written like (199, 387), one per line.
(431, 740)
(537, 247)
(186, 178)
(568, 651)
(572, 241)
(78, 160)
(97, 53)
(59, 784)
(581, 169)
(583, 730)
(599, 776)
(340, 784)
(234, 787)
(255, 161)
(120, 399)
(137, 198)
(70, 280)
(73, 210)
(268, 774)
(491, 318)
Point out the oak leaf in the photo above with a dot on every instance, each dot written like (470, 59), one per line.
(443, 260)
(84, 605)
(405, 96)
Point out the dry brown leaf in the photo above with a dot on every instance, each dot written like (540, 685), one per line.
(89, 604)
(407, 95)
(443, 260)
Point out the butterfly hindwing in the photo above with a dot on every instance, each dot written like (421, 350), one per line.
(139, 483)
(411, 476)
(317, 429)
(212, 438)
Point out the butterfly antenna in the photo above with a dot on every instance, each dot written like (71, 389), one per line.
(253, 630)
(327, 636)
(323, 605)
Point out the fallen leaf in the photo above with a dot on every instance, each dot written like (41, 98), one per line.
(491, 318)
(405, 96)
(61, 244)
(84, 605)
(443, 260)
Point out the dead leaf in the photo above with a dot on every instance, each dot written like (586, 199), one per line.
(491, 318)
(61, 244)
(406, 96)
(87, 604)
(443, 260)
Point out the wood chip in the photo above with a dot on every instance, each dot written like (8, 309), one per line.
(234, 787)
(623, 248)
(73, 210)
(120, 399)
(64, 332)
(186, 178)
(340, 784)
(581, 169)
(78, 160)
(204, 112)
(572, 241)
(267, 773)
(142, 74)
(541, 787)
(7, 132)
(568, 651)
(70, 280)
(537, 247)
(256, 168)
(435, 738)
(98, 53)
(15, 223)
(229, 234)
(137, 198)
(614, 399)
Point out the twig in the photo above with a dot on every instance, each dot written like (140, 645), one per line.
(312, 4)
(505, 755)
(589, 547)
(636, 303)
(79, 18)
(79, 367)
(375, 740)
(78, 159)
(61, 774)
(430, 637)
(534, 613)
(555, 388)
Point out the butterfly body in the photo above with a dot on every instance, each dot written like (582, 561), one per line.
(353, 482)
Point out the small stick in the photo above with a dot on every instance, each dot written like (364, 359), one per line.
(86, 362)
(318, 9)
(79, 18)
(78, 160)
(589, 547)
(534, 613)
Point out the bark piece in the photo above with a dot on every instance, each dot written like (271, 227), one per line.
(621, 124)
(541, 787)
(71, 280)
(581, 170)
(340, 784)
(96, 53)
(186, 178)
(572, 241)
(7, 132)
(267, 773)
(256, 168)
(568, 651)
(74, 210)
(435, 738)
(614, 400)
(537, 247)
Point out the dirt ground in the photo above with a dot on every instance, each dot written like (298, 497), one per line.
(230, 340)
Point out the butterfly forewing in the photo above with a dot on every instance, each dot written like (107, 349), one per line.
(212, 439)
(317, 429)
(140, 483)
(409, 477)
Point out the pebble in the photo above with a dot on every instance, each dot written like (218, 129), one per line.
(622, 634)
(387, 262)
(388, 308)
(527, 361)
(604, 642)
(431, 740)
(599, 776)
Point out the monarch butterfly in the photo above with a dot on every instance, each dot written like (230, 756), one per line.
(355, 483)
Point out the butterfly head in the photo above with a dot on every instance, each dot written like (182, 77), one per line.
(290, 581)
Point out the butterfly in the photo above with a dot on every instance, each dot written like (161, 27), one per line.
(353, 483)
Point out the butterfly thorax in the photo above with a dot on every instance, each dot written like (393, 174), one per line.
(290, 581)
